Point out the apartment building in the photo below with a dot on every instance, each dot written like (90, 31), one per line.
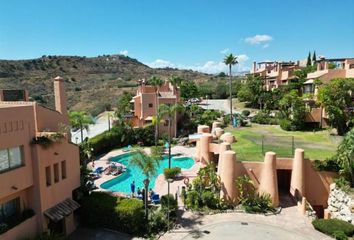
(37, 180)
(327, 69)
(275, 74)
(147, 100)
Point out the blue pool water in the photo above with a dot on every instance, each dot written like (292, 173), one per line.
(122, 182)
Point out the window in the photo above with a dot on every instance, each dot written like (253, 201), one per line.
(150, 105)
(63, 169)
(166, 123)
(56, 172)
(11, 158)
(48, 176)
(9, 209)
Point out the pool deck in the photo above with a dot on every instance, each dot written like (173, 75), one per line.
(160, 184)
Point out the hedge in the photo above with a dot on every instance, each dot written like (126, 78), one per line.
(333, 226)
(103, 210)
(119, 137)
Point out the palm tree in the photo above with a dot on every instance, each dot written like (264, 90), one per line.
(156, 82)
(175, 80)
(230, 60)
(80, 120)
(148, 164)
(169, 111)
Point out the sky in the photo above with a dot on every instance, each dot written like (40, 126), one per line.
(190, 34)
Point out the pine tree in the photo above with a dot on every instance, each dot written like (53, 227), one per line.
(309, 60)
(314, 57)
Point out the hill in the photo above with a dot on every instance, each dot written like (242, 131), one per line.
(91, 83)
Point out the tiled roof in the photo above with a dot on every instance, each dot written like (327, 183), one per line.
(59, 211)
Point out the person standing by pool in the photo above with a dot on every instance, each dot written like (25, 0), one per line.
(132, 188)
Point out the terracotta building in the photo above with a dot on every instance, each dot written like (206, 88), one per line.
(294, 180)
(327, 69)
(147, 100)
(33, 177)
(275, 74)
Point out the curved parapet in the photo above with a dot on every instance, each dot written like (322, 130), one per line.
(269, 180)
(218, 132)
(205, 154)
(228, 176)
(222, 148)
(203, 129)
(228, 137)
(297, 184)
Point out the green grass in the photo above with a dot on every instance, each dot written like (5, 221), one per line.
(317, 145)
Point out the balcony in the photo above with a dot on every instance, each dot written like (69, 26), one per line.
(24, 226)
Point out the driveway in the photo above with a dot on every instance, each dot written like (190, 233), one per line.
(289, 224)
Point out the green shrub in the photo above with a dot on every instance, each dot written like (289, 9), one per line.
(157, 221)
(193, 200)
(102, 210)
(263, 117)
(339, 235)
(246, 113)
(120, 136)
(131, 216)
(330, 226)
(171, 173)
(329, 164)
(209, 199)
(286, 125)
(173, 202)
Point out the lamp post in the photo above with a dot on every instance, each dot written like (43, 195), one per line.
(169, 180)
(146, 185)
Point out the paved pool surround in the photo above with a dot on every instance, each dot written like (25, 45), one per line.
(302, 181)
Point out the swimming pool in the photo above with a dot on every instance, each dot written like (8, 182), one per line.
(122, 182)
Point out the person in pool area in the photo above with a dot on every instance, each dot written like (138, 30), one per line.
(139, 192)
(132, 188)
(151, 193)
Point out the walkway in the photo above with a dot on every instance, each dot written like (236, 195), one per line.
(289, 224)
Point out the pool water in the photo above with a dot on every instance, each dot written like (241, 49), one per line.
(122, 182)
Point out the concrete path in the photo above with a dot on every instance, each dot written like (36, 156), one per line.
(289, 224)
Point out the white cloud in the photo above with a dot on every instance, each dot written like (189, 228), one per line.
(210, 67)
(124, 52)
(224, 51)
(257, 39)
(265, 45)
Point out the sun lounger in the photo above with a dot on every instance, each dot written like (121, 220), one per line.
(155, 199)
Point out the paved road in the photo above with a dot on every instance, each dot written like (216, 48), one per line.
(101, 125)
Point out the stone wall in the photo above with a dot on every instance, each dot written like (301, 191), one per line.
(340, 204)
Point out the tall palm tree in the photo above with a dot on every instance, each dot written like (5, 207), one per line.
(80, 120)
(230, 60)
(170, 112)
(156, 82)
(148, 164)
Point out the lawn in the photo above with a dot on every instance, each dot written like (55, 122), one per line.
(317, 145)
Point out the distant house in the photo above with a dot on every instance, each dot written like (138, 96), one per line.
(35, 178)
(327, 69)
(146, 103)
(275, 74)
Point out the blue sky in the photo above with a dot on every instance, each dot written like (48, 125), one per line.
(185, 33)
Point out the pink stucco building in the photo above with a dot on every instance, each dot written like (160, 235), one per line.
(327, 69)
(33, 176)
(275, 74)
(147, 100)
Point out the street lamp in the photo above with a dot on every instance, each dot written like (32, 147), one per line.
(169, 180)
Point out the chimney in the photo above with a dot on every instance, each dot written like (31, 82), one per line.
(59, 95)
(254, 66)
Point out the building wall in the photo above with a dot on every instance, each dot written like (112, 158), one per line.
(16, 129)
(25, 230)
(49, 120)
